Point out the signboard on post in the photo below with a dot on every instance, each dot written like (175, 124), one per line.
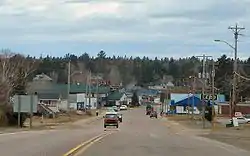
(210, 97)
(25, 103)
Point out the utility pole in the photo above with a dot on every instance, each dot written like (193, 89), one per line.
(89, 83)
(236, 31)
(193, 91)
(204, 58)
(97, 93)
(68, 85)
(213, 94)
(86, 90)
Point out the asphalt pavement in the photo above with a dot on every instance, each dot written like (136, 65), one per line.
(48, 142)
(137, 135)
(141, 136)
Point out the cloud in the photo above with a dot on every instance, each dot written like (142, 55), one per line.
(185, 27)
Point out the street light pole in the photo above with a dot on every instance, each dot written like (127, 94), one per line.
(236, 31)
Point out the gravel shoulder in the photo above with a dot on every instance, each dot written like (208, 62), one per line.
(238, 137)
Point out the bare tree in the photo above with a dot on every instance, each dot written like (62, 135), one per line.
(14, 69)
(114, 75)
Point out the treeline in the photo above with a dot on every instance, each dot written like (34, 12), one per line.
(140, 71)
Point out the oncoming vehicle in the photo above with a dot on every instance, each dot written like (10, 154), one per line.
(110, 109)
(115, 108)
(111, 119)
(123, 107)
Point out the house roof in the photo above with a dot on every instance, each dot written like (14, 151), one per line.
(115, 96)
(61, 89)
(42, 77)
(188, 101)
(147, 92)
(48, 96)
(82, 88)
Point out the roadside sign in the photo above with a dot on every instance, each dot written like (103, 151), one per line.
(210, 97)
(24, 103)
(238, 114)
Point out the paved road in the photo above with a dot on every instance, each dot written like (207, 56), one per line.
(142, 136)
(48, 142)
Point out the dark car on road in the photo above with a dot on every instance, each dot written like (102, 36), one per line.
(153, 114)
(149, 109)
(111, 119)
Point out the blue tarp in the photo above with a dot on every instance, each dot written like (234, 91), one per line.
(189, 101)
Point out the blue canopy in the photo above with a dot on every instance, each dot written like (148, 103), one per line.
(189, 101)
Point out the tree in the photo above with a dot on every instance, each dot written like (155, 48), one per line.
(114, 75)
(14, 72)
(135, 100)
(101, 55)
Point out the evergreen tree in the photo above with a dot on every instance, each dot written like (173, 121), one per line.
(135, 100)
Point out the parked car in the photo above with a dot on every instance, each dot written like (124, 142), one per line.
(111, 119)
(153, 114)
(247, 117)
(123, 107)
(241, 120)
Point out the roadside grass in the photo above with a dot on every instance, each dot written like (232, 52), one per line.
(236, 136)
(39, 123)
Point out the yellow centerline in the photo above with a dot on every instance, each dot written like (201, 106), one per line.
(85, 145)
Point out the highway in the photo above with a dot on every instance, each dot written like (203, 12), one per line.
(137, 135)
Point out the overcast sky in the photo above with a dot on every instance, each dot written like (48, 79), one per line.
(154, 28)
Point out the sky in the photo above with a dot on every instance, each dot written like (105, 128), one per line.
(153, 28)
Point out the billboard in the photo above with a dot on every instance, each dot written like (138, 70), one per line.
(24, 103)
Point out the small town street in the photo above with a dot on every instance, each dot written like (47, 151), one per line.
(138, 134)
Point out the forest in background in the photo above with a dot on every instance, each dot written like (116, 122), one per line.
(141, 71)
(17, 70)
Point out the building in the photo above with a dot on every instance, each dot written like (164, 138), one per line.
(91, 97)
(116, 99)
(224, 108)
(180, 102)
(80, 96)
(129, 98)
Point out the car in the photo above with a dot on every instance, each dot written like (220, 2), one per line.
(110, 109)
(115, 108)
(241, 120)
(149, 109)
(111, 119)
(153, 114)
(123, 107)
(247, 117)
(119, 117)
